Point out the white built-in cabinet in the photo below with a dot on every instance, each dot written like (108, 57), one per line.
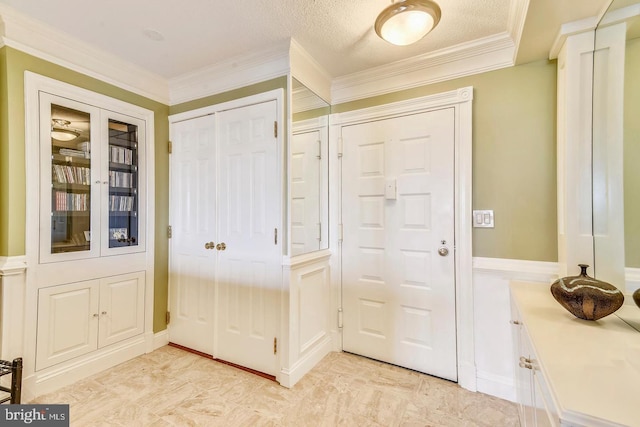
(89, 302)
(78, 318)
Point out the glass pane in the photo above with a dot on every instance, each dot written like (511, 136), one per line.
(70, 180)
(123, 184)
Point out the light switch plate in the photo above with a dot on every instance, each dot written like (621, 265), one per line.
(483, 219)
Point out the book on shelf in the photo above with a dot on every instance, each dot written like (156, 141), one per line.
(121, 203)
(64, 201)
(121, 179)
(120, 155)
(71, 174)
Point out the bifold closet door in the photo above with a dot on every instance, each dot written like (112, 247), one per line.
(193, 222)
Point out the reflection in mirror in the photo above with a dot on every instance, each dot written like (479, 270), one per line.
(616, 144)
(309, 170)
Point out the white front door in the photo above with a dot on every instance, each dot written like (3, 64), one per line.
(397, 212)
(192, 265)
(249, 266)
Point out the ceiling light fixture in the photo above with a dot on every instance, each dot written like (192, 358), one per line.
(61, 132)
(407, 21)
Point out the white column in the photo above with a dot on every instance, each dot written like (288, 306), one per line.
(575, 77)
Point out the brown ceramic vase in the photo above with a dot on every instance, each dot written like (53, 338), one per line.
(636, 297)
(585, 297)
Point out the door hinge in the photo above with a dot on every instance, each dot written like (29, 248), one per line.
(275, 129)
(339, 147)
(275, 345)
(275, 236)
(168, 317)
(340, 235)
(319, 150)
(169, 232)
(340, 318)
(320, 231)
(170, 147)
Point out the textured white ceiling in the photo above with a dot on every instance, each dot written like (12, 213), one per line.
(337, 33)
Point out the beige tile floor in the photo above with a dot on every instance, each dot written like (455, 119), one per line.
(171, 387)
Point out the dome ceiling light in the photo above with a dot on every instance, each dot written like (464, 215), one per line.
(407, 21)
(61, 132)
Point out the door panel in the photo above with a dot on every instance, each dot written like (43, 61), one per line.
(193, 166)
(121, 308)
(249, 268)
(398, 293)
(305, 192)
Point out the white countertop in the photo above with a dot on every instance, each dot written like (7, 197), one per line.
(592, 367)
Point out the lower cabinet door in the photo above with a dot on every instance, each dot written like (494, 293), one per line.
(121, 307)
(67, 322)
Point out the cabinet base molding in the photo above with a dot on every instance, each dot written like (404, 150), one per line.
(289, 377)
(51, 379)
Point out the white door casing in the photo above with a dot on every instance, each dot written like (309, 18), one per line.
(249, 225)
(193, 220)
(399, 297)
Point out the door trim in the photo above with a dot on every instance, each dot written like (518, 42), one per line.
(461, 100)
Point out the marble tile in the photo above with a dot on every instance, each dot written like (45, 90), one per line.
(172, 387)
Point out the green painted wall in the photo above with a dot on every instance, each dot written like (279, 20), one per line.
(219, 98)
(12, 159)
(514, 156)
(632, 154)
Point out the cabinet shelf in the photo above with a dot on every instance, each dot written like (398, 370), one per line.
(64, 186)
(61, 159)
(123, 190)
(71, 213)
(122, 167)
(123, 213)
(69, 247)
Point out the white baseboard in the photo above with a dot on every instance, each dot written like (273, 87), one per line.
(58, 376)
(160, 339)
(632, 278)
(289, 377)
(496, 385)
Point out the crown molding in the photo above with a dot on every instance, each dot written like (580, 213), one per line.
(309, 72)
(515, 26)
(482, 55)
(237, 72)
(40, 40)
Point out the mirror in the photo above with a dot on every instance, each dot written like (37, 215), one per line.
(616, 144)
(309, 170)
(616, 152)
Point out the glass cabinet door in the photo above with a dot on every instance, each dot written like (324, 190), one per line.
(69, 203)
(125, 202)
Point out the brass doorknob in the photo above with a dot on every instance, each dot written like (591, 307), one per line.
(221, 246)
(209, 245)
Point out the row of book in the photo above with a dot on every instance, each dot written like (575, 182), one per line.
(71, 174)
(120, 155)
(120, 179)
(121, 203)
(64, 201)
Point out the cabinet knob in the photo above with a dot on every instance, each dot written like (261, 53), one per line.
(95, 314)
(104, 313)
(515, 322)
(525, 360)
(526, 365)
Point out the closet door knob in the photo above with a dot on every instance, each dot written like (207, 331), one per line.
(221, 246)
(209, 245)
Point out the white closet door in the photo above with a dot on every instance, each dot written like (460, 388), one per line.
(192, 265)
(249, 268)
(305, 192)
(398, 210)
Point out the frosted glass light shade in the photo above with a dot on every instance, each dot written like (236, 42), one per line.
(407, 21)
